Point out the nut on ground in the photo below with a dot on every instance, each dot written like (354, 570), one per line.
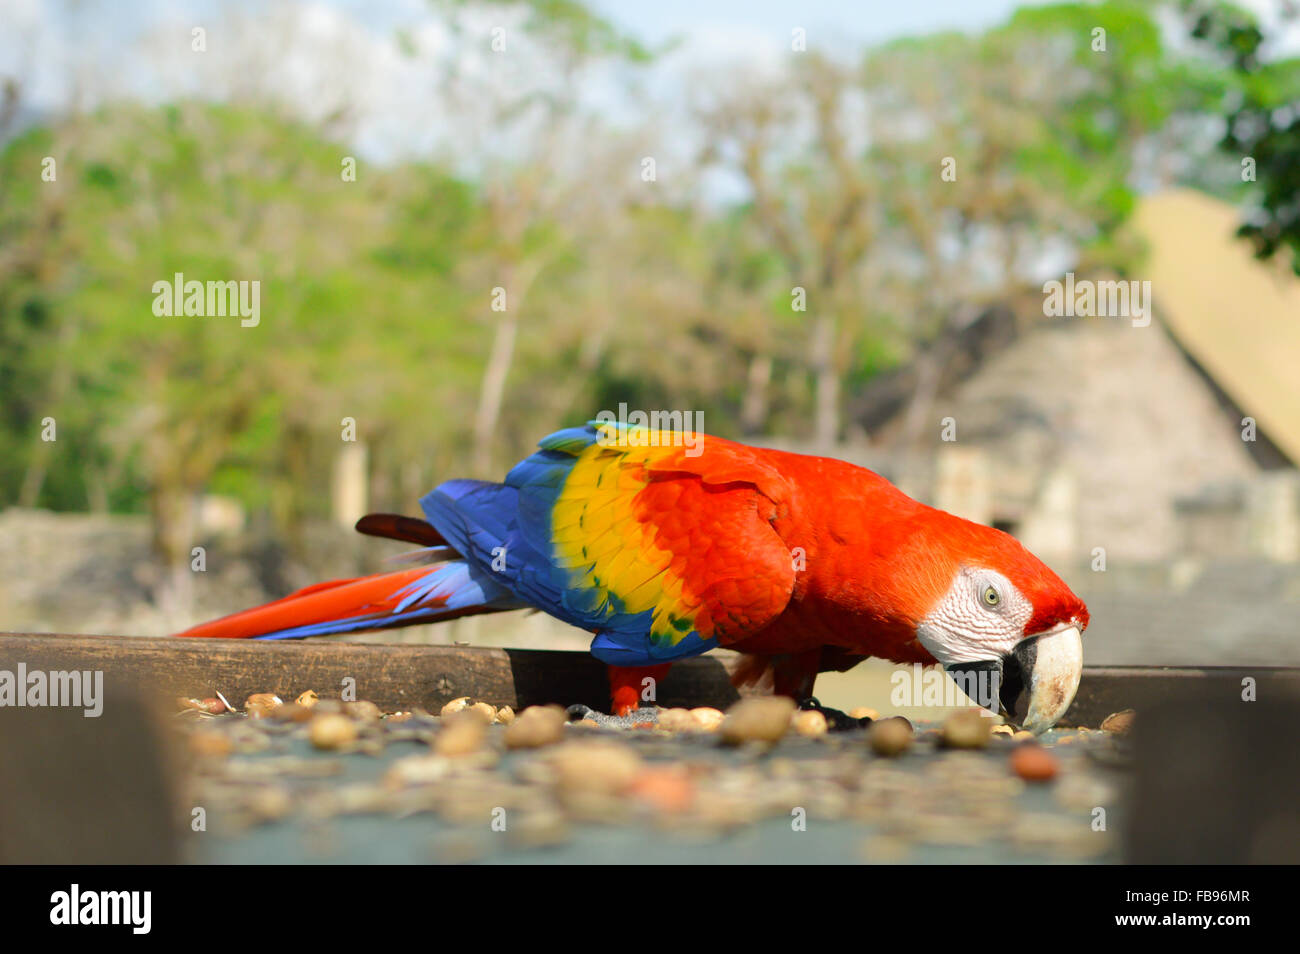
(456, 705)
(462, 733)
(595, 766)
(678, 720)
(890, 737)
(968, 729)
(536, 726)
(261, 704)
(1119, 723)
(810, 724)
(708, 717)
(331, 731)
(362, 710)
(210, 706)
(291, 712)
(757, 720)
(1034, 763)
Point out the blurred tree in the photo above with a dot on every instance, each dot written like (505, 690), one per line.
(1047, 125)
(1261, 111)
(518, 105)
(186, 404)
(813, 200)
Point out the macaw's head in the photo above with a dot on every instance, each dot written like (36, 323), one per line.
(1005, 627)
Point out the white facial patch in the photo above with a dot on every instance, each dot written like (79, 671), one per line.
(981, 617)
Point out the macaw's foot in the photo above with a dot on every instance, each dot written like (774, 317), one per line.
(836, 720)
(629, 686)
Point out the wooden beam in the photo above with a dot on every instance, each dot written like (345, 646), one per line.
(401, 676)
(393, 676)
(1107, 689)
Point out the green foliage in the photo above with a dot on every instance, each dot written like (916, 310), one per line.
(1261, 109)
(355, 286)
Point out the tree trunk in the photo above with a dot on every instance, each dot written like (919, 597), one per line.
(34, 477)
(753, 410)
(493, 390)
(929, 372)
(827, 423)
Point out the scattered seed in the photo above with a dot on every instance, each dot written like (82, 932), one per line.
(595, 766)
(1034, 763)
(463, 733)
(417, 770)
(362, 710)
(332, 731)
(464, 702)
(536, 726)
(708, 718)
(1118, 723)
(678, 720)
(890, 737)
(968, 729)
(761, 719)
(308, 699)
(210, 706)
(810, 724)
(291, 712)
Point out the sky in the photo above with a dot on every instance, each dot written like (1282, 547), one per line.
(316, 52)
(44, 39)
(863, 20)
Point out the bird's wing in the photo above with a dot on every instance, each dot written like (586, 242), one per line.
(663, 549)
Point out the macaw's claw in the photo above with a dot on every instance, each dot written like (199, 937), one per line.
(836, 720)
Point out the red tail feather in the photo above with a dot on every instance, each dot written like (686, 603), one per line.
(335, 599)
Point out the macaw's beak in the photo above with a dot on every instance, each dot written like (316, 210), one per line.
(1037, 680)
(1040, 677)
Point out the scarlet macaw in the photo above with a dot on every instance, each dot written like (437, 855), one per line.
(666, 548)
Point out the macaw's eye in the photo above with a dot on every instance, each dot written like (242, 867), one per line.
(991, 597)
